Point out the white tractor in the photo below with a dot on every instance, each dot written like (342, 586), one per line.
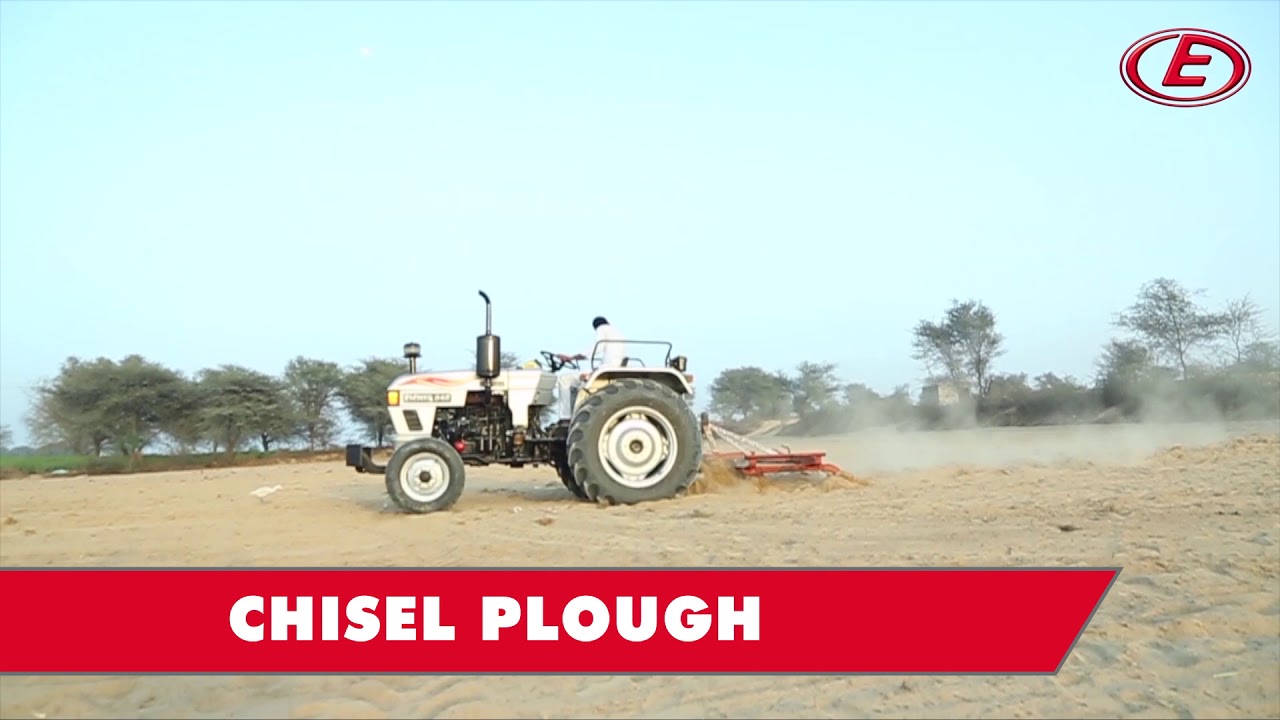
(633, 436)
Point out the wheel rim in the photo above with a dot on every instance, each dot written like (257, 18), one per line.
(638, 447)
(425, 478)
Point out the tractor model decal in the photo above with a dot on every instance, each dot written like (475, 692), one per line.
(427, 397)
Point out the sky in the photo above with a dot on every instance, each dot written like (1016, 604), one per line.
(758, 183)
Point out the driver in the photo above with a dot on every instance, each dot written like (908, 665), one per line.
(613, 353)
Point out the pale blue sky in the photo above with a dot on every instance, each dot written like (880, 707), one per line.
(238, 182)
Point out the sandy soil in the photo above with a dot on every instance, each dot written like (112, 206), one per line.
(1191, 512)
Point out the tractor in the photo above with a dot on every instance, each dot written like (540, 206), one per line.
(632, 435)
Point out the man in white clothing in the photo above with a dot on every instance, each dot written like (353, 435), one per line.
(612, 354)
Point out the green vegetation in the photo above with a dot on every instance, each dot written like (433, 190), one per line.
(1178, 360)
(12, 465)
(26, 464)
(135, 415)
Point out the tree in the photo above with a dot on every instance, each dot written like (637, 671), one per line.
(140, 400)
(364, 393)
(314, 387)
(858, 394)
(90, 404)
(1009, 387)
(1262, 356)
(1050, 382)
(980, 344)
(747, 392)
(1242, 328)
(1167, 318)
(862, 406)
(241, 404)
(1126, 371)
(962, 346)
(898, 406)
(1061, 398)
(66, 411)
(813, 388)
(936, 346)
(184, 425)
(1124, 361)
(6, 437)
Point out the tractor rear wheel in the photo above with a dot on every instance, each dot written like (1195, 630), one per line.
(560, 460)
(634, 441)
(425, 475)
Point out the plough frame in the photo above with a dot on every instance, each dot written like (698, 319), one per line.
(757, 460)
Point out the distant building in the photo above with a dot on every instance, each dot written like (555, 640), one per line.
(943, 393)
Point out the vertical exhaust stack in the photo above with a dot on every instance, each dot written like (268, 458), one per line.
(488, 348)
(411, 353)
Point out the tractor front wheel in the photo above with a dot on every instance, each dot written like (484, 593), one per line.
(425, 476)
(634, 441)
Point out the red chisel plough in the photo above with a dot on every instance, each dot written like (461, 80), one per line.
(756, 460)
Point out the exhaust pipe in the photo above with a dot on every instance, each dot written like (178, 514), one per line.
(488, 313)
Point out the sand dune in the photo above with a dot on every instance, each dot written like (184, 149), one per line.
(1191, 512)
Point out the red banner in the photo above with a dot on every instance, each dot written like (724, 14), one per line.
(953, 621)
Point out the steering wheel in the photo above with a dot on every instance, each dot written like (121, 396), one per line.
(556, 363)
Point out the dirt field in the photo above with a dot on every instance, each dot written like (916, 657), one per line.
(1191, 512)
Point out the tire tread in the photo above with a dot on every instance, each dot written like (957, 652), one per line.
(601, 492)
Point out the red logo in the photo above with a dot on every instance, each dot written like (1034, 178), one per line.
(1160, 81)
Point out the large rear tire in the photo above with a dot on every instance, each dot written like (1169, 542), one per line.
(560, 460)
(634, 441)
(425, 475)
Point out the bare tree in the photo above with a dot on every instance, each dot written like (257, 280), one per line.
(1242, 328)
(935, 346)
(1167, 318)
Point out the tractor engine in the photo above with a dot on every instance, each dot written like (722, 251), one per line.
(481, 428)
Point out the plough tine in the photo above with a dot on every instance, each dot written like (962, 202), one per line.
(755, 459)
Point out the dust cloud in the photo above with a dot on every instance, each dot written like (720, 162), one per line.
(893, 437)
